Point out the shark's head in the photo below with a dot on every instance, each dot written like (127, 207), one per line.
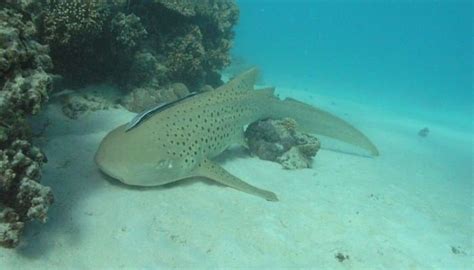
(134, 162)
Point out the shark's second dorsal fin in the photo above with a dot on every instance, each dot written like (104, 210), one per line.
(139, 118)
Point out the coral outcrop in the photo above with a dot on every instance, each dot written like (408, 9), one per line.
(156, 51)
(23, 198)
(74, 30)
(186, 55)
(279, 140)
(139, 45)
(127, 31)
(207, 36)
(24, 87)
(72, 22)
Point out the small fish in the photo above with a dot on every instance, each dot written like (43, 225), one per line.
(147, 113)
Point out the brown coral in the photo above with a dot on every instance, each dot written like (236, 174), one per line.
(22, 198)
(144, 98)
(24, 87)
(127, 30)
(71, 22)
(186, 56)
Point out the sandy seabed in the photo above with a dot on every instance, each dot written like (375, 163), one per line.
(409, 208)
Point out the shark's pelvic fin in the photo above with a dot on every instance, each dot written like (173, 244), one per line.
(213, 171)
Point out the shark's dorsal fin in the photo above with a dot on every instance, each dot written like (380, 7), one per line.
(242, 82)
(268, 91)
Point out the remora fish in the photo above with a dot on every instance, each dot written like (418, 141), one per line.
(147, 113)
(180, 142)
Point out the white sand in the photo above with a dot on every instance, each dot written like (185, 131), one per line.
(403, 210)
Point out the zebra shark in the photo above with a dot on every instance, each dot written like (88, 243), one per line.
(180, 141)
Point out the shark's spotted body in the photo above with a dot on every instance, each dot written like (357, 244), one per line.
(180, 142)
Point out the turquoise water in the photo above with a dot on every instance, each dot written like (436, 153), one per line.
(389, 68)
(413, 57)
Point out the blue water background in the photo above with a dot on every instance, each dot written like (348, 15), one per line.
(414, 57)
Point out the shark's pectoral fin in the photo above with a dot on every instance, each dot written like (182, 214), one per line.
(213, 171)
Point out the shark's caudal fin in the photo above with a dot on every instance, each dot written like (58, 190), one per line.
(313, 120)
(309, 118)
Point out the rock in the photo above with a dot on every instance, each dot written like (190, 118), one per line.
(141, 99)
(75, 105)
(424, 132)
(206, 88)
(294, 159)
(278, 140)
(180, 90)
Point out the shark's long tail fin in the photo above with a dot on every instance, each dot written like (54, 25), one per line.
(313, 120)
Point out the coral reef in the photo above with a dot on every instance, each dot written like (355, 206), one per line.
(208, 39)
(91, 40)
(127, 31)
(156, 51)
(24, 87)
(278, 140)
(70, 23)
(186, 55)
(144, 98)
(74, 30)
(22, 197)
(146, 71)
